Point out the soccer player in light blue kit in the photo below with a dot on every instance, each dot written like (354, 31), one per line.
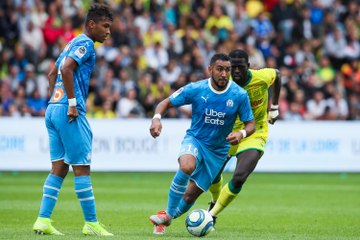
(69, 132)
(216, 103)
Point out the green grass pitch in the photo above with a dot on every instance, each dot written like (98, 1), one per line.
(270, 206)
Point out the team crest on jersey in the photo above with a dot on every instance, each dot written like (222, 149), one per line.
(229, 103)
(175, 94)
(80, 52)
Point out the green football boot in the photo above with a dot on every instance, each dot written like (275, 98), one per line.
(43, 226)
(95, 228)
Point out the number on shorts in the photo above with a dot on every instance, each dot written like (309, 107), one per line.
(195, 149)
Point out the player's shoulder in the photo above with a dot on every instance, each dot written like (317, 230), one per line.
(82, 40)
(236, 89)
(198, 84)
(202, 82)
(263, 72)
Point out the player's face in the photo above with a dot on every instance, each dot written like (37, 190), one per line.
(220, 74)
(101, 30)
(239, 70)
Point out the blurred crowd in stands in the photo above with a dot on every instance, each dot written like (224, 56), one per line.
(158, 46)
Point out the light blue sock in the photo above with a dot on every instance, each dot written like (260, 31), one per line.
(85, 194)
(51, 191)
(177, 191)
(183, 208)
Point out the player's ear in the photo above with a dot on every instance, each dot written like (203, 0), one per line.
(91, 24)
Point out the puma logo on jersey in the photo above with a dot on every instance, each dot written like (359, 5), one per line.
(205, 99)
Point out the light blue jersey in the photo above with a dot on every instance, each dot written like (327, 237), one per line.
(72, 142)
(81, 49)
(213, 112)
(213, 117)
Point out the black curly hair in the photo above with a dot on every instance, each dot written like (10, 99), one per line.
(99, 11)
(238, 53)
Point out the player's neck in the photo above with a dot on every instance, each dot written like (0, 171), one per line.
(89, 35)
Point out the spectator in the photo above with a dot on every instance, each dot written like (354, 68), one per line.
(317, 106)
(338, 107)
(39, 15)
(19, 60)
(221, 22)
(283, 18)
(294, 113)
(106, 111)
(325, 71)
(129, 107)
(33, 42)
(37, 104)
(294, 36)
(156, 56)
(171, 72)
(334, 46)
(350, 73)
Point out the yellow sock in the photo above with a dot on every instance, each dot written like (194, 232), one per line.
(215, 189)
(225, 198)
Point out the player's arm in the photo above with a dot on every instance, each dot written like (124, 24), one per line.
(235, 137)
(155, 128)
(52, 79)
(67, 71)
(274, 108)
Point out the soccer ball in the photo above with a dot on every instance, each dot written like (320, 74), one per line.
(199, 223)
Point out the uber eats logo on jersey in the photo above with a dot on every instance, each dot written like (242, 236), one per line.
(214, 117)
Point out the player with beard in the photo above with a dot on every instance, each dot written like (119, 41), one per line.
(216, 104)
(251, 148)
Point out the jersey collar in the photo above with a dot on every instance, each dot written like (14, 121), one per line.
(249, 78)
(216, 91)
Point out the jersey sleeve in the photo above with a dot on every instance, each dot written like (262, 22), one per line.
(81, 51)
(245, 112)
(182, 96)
(59, 59)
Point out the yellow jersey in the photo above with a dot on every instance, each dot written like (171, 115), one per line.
(257, 87)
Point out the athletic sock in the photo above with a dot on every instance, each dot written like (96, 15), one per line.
(177, 191)
(182, 208)
(51, 191)
(215, 189)
(228, 193)
(85, 194)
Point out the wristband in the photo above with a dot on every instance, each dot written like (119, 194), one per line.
(243, 132)
(274, 107)
(72, 102)
(157, 115)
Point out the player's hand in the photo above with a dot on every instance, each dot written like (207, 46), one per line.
(72, 113)
(273, 114)
(234, 138)
(155, 128)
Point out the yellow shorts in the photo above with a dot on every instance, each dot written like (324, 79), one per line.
(256, 141)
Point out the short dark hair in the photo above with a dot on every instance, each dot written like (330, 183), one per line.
(99, 11)
(219, 56)
(238, 53)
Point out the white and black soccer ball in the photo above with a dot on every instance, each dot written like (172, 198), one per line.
(199, 223)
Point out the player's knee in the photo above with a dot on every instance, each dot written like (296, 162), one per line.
(187, 168)
(60, 170)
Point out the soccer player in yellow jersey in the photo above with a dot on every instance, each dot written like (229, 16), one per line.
(251, 148)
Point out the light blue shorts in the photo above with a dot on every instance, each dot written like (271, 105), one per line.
(69, 141)
(208, 162)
